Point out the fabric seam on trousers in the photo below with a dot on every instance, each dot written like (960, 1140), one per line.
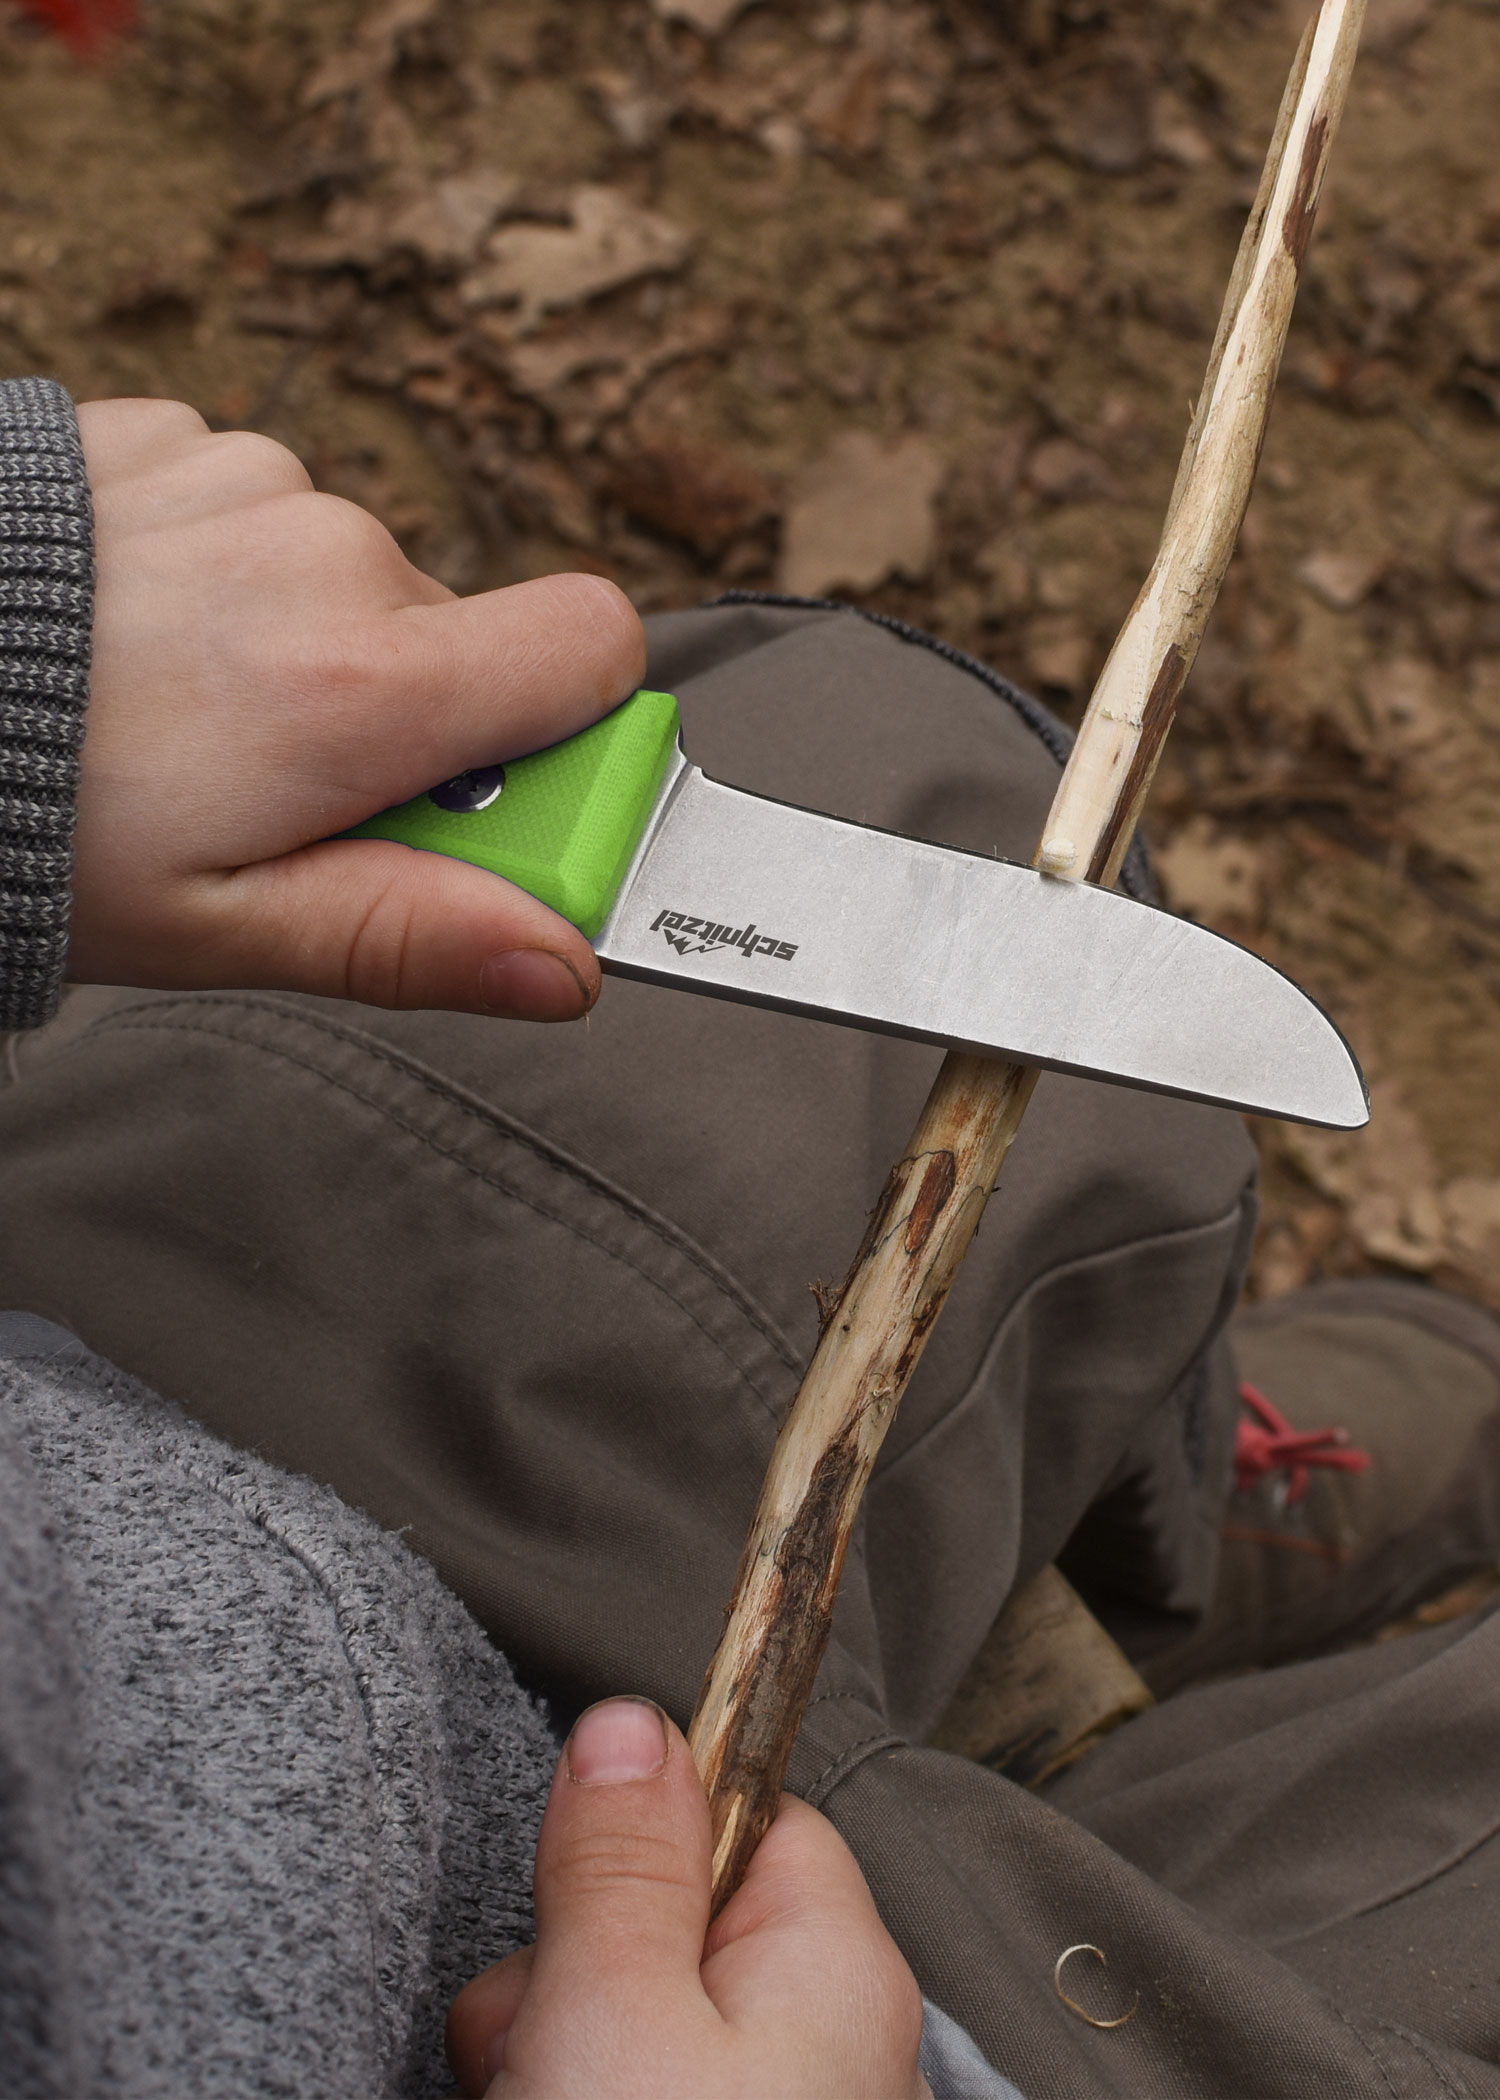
(1414, 2042)
(1399, 1895)
(489, 1181)
(848, 1761)
(1048, 1277)
(543, 1149)
(146, 1018)
(1364, 2042)
(1136, 877)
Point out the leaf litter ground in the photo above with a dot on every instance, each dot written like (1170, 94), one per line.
(904, 302)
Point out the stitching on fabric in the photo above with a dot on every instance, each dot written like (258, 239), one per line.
(479, 1111)
(834, 1699)
(1136, 877)
(848, 1762)
(142, 1018)
(489, 1180)
(1364, 2043)
(1047, 1278)
(1422, 1881)
(1414, 2042)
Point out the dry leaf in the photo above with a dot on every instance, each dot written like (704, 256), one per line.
(1063, 586)
(1009, 577)
(1067, 472)
(541, 269)
(635, 115)
(1401, 1226)
(372, 54)
(1105, 119)
(1471, 1218)
(442, 223)
(543, 367)
(541, 491)
(740, 106)
(447, 223)
(782, 137)
(1474, 547)
(696, 491)
(1340, 577)
(708, 17)
(1210, 875)
(845, 111)
(1385, 1175)
(1401, 698)
(1483, 695)
(860, 513)
(1059, 653)
(540, 367)
(1394, 284)
(1175, 134)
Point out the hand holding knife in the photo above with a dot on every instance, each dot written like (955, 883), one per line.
(682, 881)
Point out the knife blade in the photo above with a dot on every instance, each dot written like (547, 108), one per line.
(684, 881)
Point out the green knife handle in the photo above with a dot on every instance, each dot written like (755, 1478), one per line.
(562, 823)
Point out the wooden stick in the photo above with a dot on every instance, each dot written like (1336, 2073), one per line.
(777, 1627)
(1046, 1684)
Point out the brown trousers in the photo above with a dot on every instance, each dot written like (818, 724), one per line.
(540, 1297)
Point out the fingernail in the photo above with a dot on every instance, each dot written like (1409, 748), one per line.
(533, 984)
(492, 2063)
(617, 1740)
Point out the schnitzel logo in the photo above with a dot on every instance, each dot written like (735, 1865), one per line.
(705, 936)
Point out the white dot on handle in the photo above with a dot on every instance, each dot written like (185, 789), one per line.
(1056, 855)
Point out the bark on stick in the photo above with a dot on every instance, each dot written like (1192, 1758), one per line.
(777, 1627)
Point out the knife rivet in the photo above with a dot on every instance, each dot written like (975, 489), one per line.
(469, 792)
(1057, 854)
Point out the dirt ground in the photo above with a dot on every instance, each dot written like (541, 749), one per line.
(904, 302)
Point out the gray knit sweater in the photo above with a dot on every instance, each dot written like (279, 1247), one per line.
(46, 616)
(268, 1796)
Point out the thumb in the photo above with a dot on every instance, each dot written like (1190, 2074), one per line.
(389, 926)
(622, 1859)
(622, 1894)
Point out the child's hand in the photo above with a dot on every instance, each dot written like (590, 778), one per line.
(269, 669)
(798, 1993)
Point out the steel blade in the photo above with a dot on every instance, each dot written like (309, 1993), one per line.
(739, 897)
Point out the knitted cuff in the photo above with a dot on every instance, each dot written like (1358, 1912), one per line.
(46, 617)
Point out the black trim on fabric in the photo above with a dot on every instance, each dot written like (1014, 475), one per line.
(1136, 878)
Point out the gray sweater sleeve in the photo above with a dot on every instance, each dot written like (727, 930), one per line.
(268, 1796)
(46, 616)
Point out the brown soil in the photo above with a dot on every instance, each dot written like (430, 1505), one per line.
(992, 239)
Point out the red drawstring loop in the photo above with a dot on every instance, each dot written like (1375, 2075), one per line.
(1270, 1443)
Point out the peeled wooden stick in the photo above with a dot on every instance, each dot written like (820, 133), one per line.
(777, 1627)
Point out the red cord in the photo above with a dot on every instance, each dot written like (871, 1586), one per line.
(1270, 1443)
(86, 25)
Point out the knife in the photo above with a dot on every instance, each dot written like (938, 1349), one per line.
(681, 880)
